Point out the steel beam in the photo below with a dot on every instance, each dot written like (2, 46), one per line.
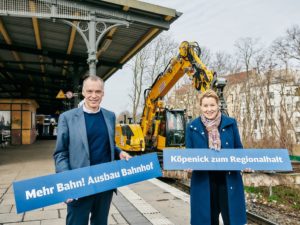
(54, 55)
(71, 10)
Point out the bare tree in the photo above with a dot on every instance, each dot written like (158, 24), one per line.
(288, 109)
(146, 66)
(139, 67)
(289, 45)
(187, 97)
(206, 55)
(286, 49)
(293, 39)
(246, 51)
(223, 63)
(280, 50)
(161, 51)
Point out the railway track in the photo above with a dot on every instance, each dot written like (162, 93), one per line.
(256, 219)
(251, 217)
(296, 166)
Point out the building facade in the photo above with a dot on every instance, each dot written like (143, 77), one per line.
(267, 107)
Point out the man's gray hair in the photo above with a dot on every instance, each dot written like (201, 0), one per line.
(93, 78)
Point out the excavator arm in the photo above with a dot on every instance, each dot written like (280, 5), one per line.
(187, 62)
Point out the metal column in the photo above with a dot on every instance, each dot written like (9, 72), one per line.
(93, 35)
(92, 50)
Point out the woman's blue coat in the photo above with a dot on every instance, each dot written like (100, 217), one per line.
(196, 137)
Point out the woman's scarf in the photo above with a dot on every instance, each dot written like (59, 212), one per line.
(211, 126)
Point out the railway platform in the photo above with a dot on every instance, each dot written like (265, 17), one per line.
(144, 203)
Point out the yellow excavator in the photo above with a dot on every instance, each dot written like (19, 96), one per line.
(160, 127)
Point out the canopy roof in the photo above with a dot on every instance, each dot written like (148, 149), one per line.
(41, 53)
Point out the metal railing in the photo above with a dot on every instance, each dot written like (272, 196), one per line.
(45, 9)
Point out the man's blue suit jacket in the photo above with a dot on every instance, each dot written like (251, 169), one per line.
(72, 149)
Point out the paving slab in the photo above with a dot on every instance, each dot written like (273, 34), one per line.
(164, 201)
(41, 215)
(53, 222)
(5, 208)
(62, 213)
(25, 223)
(28, 161)
(10, 218)
(128, 211)
(56, 206)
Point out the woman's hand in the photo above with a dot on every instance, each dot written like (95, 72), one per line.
(188, 170)
(124, 155)
(248, 170)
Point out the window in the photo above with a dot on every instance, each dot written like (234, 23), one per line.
(261, 108)
(288, 92)
(298, 137)
(271, 122)
(297, 91)
(257, 136)
(297, 121)
(255, 124)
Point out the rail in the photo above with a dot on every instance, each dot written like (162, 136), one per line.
(296, 166)
(251, 217)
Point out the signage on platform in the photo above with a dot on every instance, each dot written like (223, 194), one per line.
(60, 95)
(51, 189)
(227, 159)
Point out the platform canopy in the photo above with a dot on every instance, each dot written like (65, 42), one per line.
(47, 45)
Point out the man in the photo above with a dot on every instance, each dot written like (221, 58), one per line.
(86, 136)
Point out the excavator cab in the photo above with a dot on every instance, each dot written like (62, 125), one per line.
(171, 131)
(175, 128)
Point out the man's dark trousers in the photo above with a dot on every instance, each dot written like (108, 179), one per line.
(98, 205)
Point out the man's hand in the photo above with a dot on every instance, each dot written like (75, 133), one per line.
(125, 155)
(69, 200)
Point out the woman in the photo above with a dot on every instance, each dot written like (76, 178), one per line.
(215, 192)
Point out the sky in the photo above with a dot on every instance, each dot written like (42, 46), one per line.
(215, 24)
